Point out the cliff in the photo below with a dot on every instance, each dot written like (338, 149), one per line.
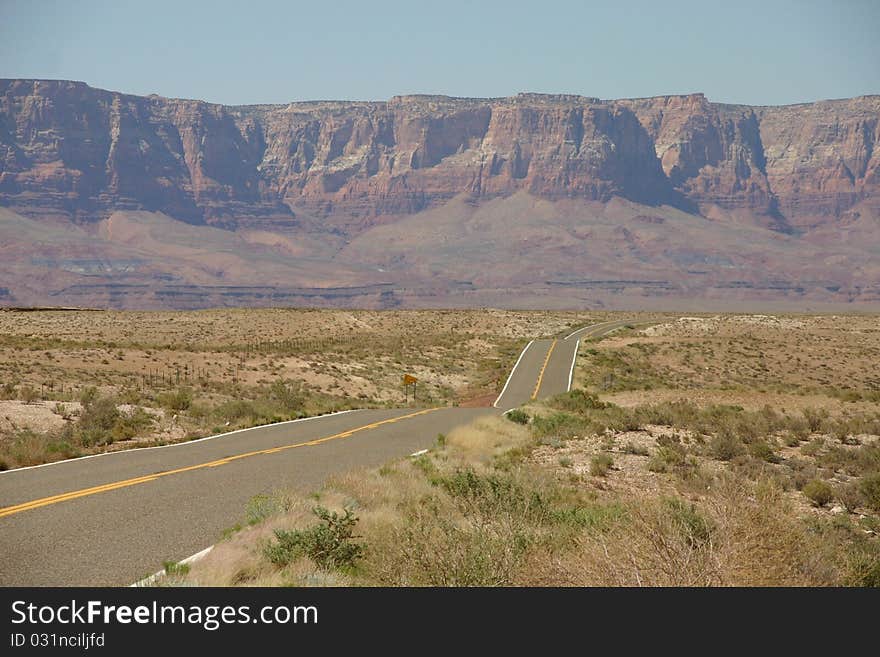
(69, 150)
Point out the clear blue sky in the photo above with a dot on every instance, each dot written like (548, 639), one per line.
(746, 51)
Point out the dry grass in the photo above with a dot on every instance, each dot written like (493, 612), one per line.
(740, 535)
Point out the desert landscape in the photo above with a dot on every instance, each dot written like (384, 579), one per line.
(152, 378)
(656, 469)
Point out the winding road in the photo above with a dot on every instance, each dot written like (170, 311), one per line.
(111, 519)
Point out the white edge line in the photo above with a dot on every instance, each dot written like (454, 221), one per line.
(507, 383)
(419, 453)
(146, 581)
(185, 442)
(577, 346)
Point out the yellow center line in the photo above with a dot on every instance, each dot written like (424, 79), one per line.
(103, 488)
(543, 367)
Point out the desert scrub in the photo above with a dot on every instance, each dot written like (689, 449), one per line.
(819, 492)
(330, 544)
(601, 464)
(725, 446)
(870, 489)
(100, 422)
(518, 415)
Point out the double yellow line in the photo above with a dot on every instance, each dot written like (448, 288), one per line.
(543, 367)
(94, 490)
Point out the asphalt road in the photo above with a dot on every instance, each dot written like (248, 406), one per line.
(113, 519)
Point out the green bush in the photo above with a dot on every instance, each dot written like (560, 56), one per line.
(761, 449)
(600, 464)
(869, 485)
(519, 416)
(819, 492)
(725, 446)
(96, 421)
(492, 495)
(28, 395)
(330, 543)
(577, 401)
(176, 400)
(558, 424)
(638, 450)
(692, 525)
(286, 395)
(671, 451)
(849, 495)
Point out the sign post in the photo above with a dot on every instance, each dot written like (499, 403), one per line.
(408, 380)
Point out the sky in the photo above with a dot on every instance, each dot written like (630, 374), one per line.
(766, 52)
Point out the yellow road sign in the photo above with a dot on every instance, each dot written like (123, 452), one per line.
(408, 378)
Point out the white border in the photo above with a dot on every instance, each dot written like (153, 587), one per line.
(185, 442)
(577, 346)
(506, 383)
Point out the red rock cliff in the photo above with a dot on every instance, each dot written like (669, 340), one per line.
(68, 149)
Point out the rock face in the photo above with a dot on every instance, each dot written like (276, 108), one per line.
(68, 150)
(115, 200)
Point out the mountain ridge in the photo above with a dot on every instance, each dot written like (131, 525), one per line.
(309, 178)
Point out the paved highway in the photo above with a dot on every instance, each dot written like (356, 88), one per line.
(113, 518)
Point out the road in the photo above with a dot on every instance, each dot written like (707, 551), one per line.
(112, 519)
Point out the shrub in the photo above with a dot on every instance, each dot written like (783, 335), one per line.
(696, 529)
(761, 449)
(177, 400)
(815, 418)
(870, 488)
(88, 395)
(638, 450)
(97, 419)
(330, 543)
(28, 394)
(286, 395)
(7, 390)
(671, 451)
(519, 416)
(819, 492)
(557, 424)
(601, 464)
(492, 495)
(577, 401)
(725, 446)
(813, 447)
(237, 409)
(849, 495)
